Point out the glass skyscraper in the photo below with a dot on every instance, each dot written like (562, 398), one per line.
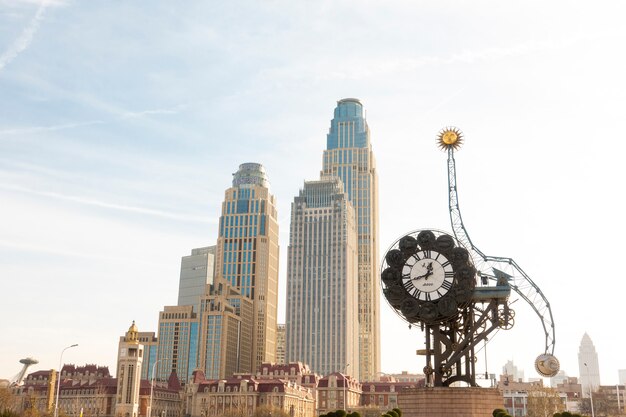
(322, 328)
(349, 156)
(177, 343)
(247, 253)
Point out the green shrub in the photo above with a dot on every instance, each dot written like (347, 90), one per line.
(397, 410)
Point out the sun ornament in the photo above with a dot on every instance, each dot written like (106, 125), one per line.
(450, 137)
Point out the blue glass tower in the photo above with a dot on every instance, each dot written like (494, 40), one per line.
(349, 156)
(247, 253)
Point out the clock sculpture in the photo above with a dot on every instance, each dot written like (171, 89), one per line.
(457, 294)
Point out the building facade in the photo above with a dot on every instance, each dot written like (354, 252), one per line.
(243, 395)
(225, 332)
(338, 391)
(196, 272)
(177, 343)
(150, 351)
(281, 344)
(322, 322)
(247, 252)
(588, 367)
(383, 395)
(349, 156)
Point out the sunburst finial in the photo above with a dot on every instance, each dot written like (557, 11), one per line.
(450, 137)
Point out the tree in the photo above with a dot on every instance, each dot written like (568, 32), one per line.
(397, 410)
(7, 399)
(268, 411)
(543, 402)
(601, 406)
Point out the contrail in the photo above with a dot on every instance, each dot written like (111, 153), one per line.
(107, 205)
(25, 38)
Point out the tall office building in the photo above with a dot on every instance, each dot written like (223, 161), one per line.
(196, 272)
(150, 350)
(280, 343)
(588, 366)
(247, 253)
(178, 343)
(129, 361)
(322, 326)
(349, 156)
(226, 332)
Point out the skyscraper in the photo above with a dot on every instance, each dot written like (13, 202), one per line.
(349, 156)
(196, 271)
(178, 343)
(247, 253)
(226, 332)
(322, 327)
(588, 366)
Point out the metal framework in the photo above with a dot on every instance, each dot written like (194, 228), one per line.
(497, 268)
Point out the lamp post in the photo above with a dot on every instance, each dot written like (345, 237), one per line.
(56, 401)
(152, 387)
(590, 394)
(345, 383)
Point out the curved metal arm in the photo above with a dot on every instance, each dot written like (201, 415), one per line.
(493, 268)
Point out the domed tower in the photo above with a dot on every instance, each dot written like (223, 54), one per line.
(129, 361)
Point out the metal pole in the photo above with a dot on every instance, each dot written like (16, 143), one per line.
(151, 387)
(590, 394)
(56, 401)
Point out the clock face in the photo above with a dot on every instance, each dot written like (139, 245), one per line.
(427, 275)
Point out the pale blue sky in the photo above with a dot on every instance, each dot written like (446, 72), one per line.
(122, 122)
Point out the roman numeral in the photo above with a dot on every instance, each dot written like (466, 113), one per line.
(449, 274)
(427, 253)
(417, 293)
(446, 284)
(427, 296)
(445, 264)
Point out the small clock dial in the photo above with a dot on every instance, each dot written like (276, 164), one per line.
(427, 275)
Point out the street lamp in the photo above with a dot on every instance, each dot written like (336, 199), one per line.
(152, 387)
(345, 382)
(56, 402)
(590, 394)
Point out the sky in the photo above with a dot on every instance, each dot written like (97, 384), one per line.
(121, 124)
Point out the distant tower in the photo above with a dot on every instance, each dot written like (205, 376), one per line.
(588, 366)
(622, 376)
(280, 344)
(349, 156)
(513, 372)
(196, 272)
(322, 322)
(129, 361)
(27, 362)
(247, 253)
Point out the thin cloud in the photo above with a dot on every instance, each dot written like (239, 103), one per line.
(106, 205)
(172, 110)
(56, 251)
(37, 129)
(25, 38)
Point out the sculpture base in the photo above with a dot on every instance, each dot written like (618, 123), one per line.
(449, 401)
